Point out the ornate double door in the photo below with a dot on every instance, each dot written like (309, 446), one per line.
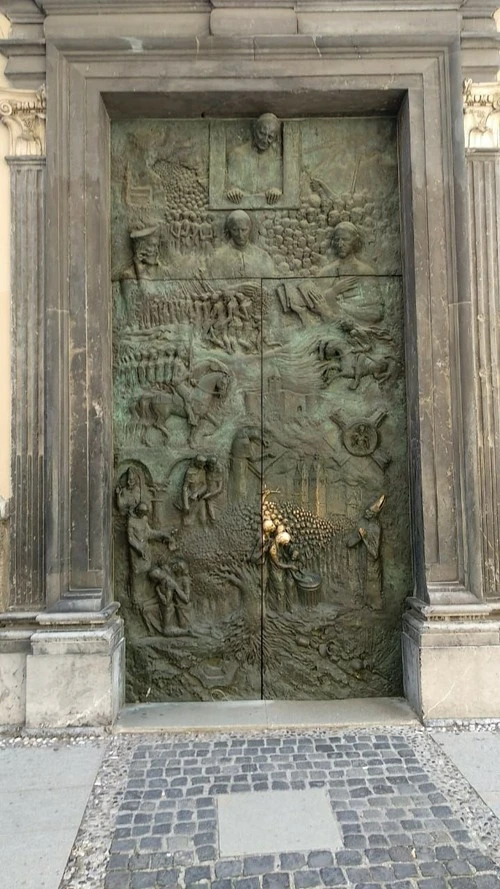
(261, 511)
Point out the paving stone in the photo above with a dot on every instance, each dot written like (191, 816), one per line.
(488, 881)
(143, 880)
(332, 876)
(229, 868)
(304, 879)
(276, 881)
(458, 868)
(350, 856)
(194, 874)
(117, 880)
(247, 883)
(258, 864)
(206, 853)
(432, 883)
(168, 879)
(433, 869)
(321, 858)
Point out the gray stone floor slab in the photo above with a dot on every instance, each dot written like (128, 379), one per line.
(255, 715)
(295, 821)
(477, 755)
(44, 791)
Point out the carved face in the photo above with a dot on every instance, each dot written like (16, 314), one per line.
(345, 241)
(146, 250)
(239, 227)
(265, 132)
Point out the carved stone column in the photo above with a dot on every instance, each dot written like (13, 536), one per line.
(24, 115)
(482, 139)
(457, 647)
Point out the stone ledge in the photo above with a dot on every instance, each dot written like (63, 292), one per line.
(252, 22)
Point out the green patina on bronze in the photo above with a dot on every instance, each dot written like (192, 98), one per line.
(261, 494)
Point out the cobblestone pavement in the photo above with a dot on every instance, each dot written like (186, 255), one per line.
(407, 817)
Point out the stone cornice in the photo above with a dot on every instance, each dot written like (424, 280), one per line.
(142, 7)
(21, 11)
(482, 115)
(33, 10)
(416, 21)
(23, 113)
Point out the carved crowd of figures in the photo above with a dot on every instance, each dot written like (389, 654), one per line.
(256, 344)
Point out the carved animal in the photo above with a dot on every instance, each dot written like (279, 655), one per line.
(354, 365)
(155, 408)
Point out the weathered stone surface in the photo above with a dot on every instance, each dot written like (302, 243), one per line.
(13, 678)
(252, 22)
(4, 563)
(448, 677)
(66, 689)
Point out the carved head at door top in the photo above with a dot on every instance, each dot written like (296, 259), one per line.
(266, 130)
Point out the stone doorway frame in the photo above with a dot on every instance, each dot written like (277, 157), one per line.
(96, 73)
(86, 87)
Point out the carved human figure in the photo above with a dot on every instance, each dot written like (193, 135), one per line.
(255, 167)
(145, 254)
(194, 488)
(277, 568)
(240, 258)
(346, 244)
(139, 537)
(182, 381)
(128, 495)
(245, 473)
(172, 598)
(214, 479)
(217, 330)
(367, 537)
(182, 600)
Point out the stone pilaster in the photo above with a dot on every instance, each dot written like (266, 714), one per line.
(451, 652)
(24, 115)
(482, 138)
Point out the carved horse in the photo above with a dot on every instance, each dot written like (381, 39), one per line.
(354, 365)
(154, 408)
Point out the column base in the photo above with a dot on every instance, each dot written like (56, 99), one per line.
(61, 670)
(15, 646)
(451, 660)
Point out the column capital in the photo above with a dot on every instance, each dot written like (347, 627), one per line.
(24, 112)
(482, 114)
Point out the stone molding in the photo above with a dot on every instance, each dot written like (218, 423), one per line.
(482, 115)
(360, 22)
(24, 113)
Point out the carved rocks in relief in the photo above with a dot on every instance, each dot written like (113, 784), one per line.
(259, 407)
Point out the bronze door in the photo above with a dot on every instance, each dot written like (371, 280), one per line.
(261, 514)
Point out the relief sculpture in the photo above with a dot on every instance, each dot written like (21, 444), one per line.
(261, 505)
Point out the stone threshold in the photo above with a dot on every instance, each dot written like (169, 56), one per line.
(261, 715)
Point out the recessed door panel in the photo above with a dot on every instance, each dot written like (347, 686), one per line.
(261, 518)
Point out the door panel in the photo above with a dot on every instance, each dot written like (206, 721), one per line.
(261, 519)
